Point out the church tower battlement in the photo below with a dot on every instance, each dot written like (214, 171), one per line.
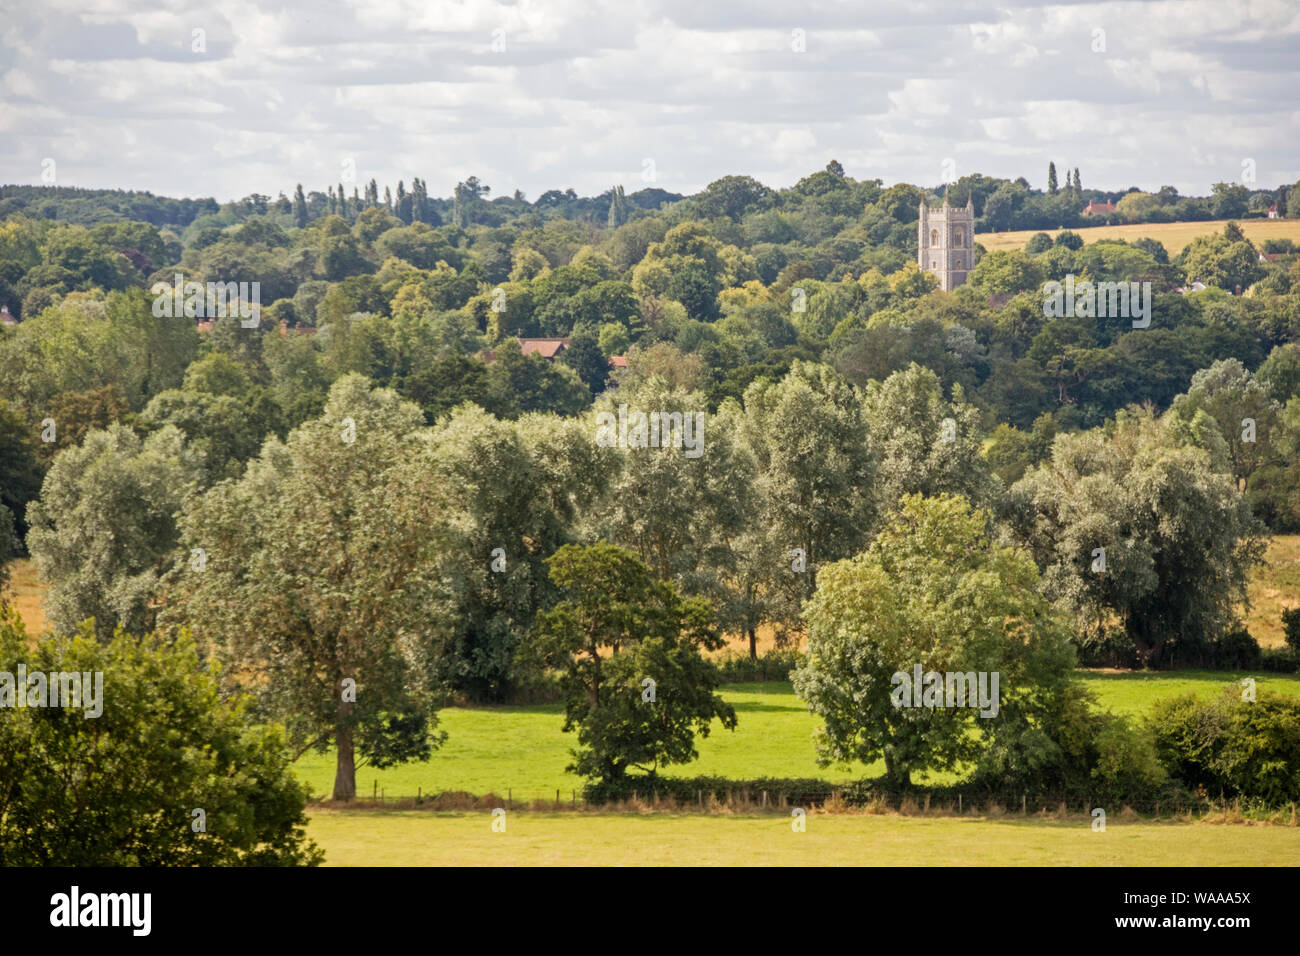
(946, 242)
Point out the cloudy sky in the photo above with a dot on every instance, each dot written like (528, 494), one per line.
(231, 97)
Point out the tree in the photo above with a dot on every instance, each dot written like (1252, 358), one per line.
(1051, 178)
(122, 788)
(926, 445)
(681, 506)
(319, 580)
(617, 208)
(513, 494)
(299, 208)
(104, 528)
(1240, 407)
(616, 628)
(585, 357)
(20, 470)
(932, 590)
(733, 197)
(1139, 523)
(1222, 260)
(816, 469)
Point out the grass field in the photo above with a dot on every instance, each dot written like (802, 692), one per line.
(421, 838)
(520, 750)
(1273, 589)
(27, 593)
(1173, 235)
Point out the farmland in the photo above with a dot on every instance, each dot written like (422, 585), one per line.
(1172, 235)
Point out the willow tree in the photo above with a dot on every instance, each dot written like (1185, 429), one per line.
(315, 576)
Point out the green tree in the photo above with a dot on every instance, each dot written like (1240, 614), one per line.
(1240, 406)
(932, 589)
(104, 528)
(1052, 185)
(926, 445)
(20, 470)
(121, 788)
(1178, 536)
(319, 580)
(816, 469)
(299, 208)
(616, 628)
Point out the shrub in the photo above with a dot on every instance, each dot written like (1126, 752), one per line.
(1280, 660)
(1108, 646)
(776, 664)
(1227, 745)
(120, 788)
(794, 790)
(1236, 650)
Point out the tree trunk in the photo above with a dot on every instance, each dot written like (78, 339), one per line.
(345, 773)
(898, 776)
(753, 644)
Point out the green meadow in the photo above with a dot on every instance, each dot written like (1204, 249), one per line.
(422, 838)
(520, 750)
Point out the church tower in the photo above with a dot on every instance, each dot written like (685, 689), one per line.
(946, 242)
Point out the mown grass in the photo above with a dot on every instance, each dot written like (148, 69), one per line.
(422, 838)
(521, 750)
(1172, 235)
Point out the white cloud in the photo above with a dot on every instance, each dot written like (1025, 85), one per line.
(584, 91)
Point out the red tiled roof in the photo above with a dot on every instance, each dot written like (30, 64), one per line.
(618, 361)
(546, 348)
(1097, 207)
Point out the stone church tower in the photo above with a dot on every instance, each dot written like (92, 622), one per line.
(946, 242)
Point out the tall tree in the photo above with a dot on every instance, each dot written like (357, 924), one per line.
(104, 528)
(934, 591)
(1051, 178)
(1139, 523)
(320, 580)
(636, 685)
(299, 207)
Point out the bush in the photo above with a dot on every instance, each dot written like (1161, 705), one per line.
(1280, 660)
(1107, 647)
(1236, 650)
(1227, 745)
(738, 667)
(120, 788)
(795, 790)
(1071, 750)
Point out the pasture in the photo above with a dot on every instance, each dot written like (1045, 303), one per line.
(520, 750)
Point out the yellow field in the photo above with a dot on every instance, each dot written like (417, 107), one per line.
(1274, 588)
(1173, 235)
(26, 591)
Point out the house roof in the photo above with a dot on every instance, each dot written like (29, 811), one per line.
(546, 348)
(1096, 207)
(618, 361)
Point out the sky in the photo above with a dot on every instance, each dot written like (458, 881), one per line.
(229, 98)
